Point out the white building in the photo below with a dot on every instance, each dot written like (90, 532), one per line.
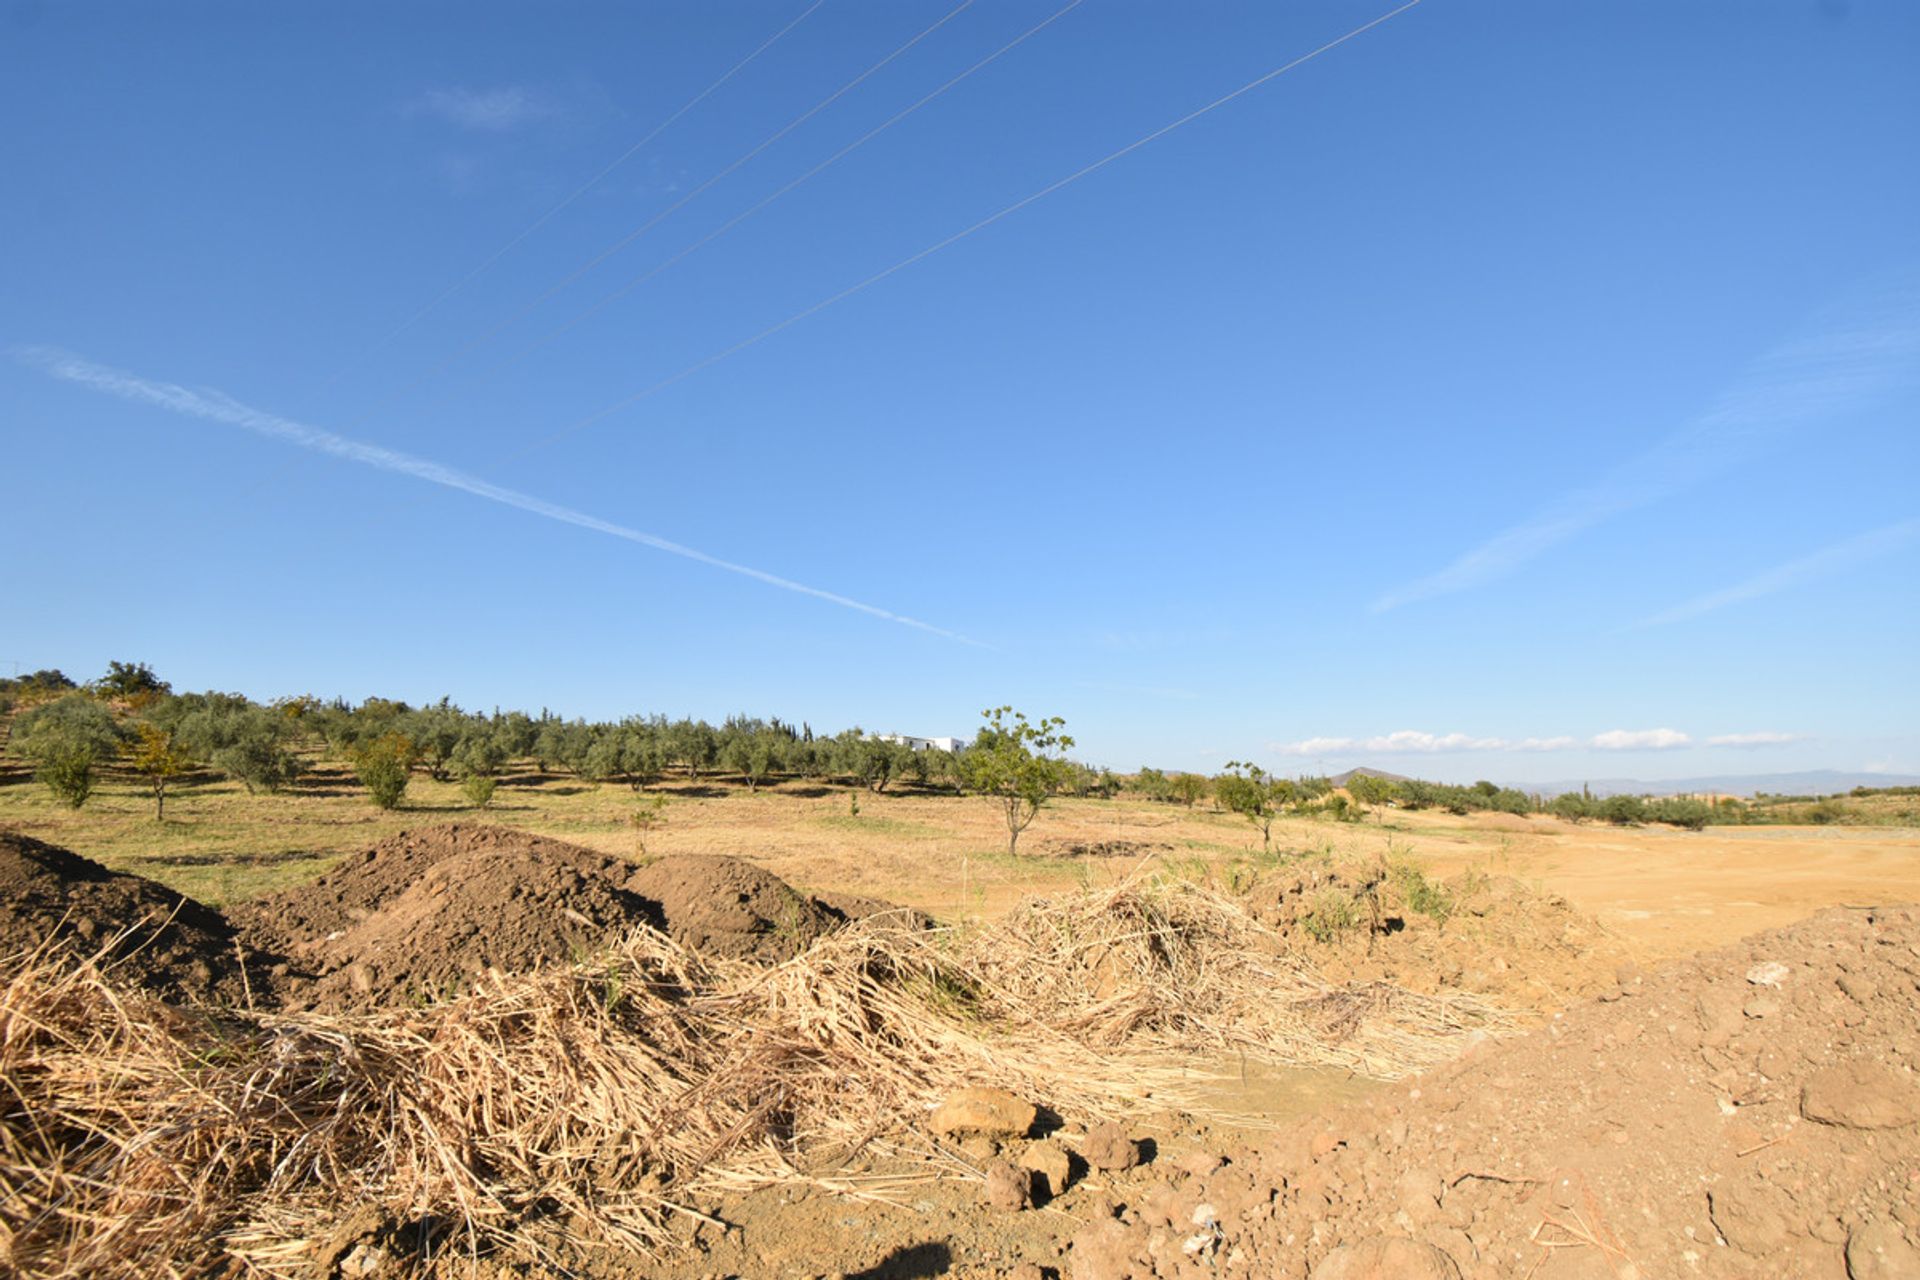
(922, 744)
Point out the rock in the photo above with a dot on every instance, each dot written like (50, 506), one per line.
(1009, 1186)
(1768, 973)
(1861, 989)
(1109, 1148)
(1198, 1163)
(1860, 1095)
(1417, 1193)
(1749, 1219)
(983, 1110)
(1877, 1251)
(1103, 1251)
(1387, 1258)
(1049, 1162)
(1762, 1006)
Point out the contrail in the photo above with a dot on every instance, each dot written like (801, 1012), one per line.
(1856, 353)
(215, 406)
(1808, 568)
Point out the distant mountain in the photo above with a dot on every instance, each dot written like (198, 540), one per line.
(1342, 779)
(1811, 782)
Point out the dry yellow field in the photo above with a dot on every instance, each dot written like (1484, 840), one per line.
(1664, 891)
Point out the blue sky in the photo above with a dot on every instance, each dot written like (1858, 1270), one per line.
(1511, 390)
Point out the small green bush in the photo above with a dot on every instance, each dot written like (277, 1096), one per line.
(383, 766)
(478, 789)
(1421, 895)
(1333, 914)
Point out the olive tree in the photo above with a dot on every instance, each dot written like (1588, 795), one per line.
(64, 740)
(1255, 794)
(1017, 764)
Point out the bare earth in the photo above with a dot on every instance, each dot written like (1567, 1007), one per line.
(1677, 1108)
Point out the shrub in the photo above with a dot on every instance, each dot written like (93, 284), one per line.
(383, 766)
(1333, 914)
(478, 788)
(65, 739)
(1622, 810)
(1421, 895)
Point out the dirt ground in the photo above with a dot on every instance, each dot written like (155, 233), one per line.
(1679, 1107)
(1665, 892)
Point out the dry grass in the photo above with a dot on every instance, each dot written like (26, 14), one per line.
(597, 1105)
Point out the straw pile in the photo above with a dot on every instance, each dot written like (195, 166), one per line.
(598, 1104)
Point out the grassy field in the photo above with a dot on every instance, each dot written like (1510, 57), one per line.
(1665, 890)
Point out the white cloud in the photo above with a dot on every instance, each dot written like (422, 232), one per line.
(215, 406)
(1640, 740)
(488, 110)
(1415, 742)
(1853, 355)
(1759, 738)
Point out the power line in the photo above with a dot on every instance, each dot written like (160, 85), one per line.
(585, 187)
(737, 219)
(673, 208)
(711, 360)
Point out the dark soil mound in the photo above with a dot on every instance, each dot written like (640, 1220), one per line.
(845, 908)
(144, 933)
(510, 910)
(362, 884)
(423, 913)
(730, 907)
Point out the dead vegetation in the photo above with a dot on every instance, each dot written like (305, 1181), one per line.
(595, 1104)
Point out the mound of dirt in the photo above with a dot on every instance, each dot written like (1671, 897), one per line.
(424, 912)
(1490, 935)
(1699, 1122)
(363, 883)
(508, 908)
(144, 933)
(845, 908)
(729, 907)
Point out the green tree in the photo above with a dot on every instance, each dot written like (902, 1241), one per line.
(1368, 791)
(64, 740)
(1017, 764)
(130, 680)
(1254, 794)
(158, 755)
(1189, 788)
(383, 766)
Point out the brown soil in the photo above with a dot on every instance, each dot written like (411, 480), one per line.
(1490, 935)
(146, 933)
(1685, 1123)
(1691, 1123)
(427, 911)
(728, 907)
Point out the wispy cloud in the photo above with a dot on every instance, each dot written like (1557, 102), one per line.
(1853, 355)
(1820, 564)
(487, 110)
(216, 406)
(1761, 738)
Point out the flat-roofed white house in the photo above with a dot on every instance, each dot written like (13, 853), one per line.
(922, 744)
